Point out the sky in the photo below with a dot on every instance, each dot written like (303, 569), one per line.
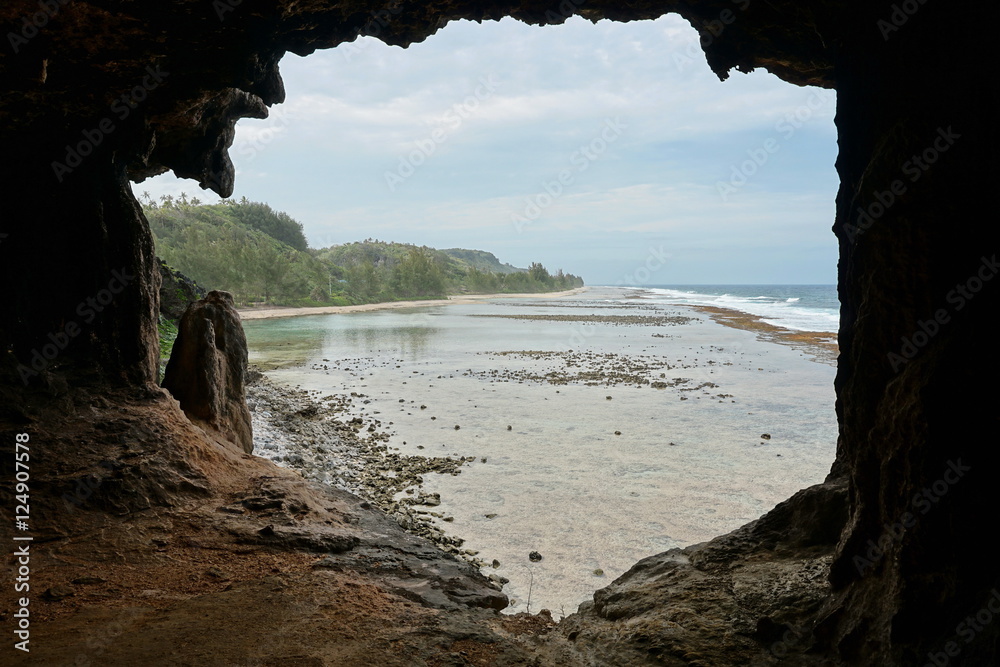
(608, 150)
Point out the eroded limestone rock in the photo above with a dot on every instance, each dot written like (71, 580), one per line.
(207, 368)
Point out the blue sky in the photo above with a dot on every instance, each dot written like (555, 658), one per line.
(609, 150)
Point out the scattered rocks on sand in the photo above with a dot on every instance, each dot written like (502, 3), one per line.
(316, 436)
(590, 368)
(615, 320)
(590, 305)
(430, 500)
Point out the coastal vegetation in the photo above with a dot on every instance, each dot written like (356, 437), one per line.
(261, 256)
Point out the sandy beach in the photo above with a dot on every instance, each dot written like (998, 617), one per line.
(287, 311)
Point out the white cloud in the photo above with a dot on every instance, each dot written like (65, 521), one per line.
(353, 114)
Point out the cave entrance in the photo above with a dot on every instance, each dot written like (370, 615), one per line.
(608, 150)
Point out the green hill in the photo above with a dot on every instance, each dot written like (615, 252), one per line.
(261, 256)
(481, 260)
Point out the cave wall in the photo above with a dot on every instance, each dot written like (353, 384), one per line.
(79, 275)
(146, 87)
(920, 290)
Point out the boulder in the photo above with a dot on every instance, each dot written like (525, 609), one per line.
(208, 366)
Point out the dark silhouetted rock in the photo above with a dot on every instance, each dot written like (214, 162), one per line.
(177, 292)
(207, 368)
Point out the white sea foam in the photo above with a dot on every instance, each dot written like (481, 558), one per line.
(780, 311)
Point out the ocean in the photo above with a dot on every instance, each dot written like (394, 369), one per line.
(797, 307)
(600, 427)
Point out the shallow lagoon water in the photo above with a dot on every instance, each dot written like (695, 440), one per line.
(560, 481)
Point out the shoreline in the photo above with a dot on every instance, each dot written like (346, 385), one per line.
(823, 345)
(340, 439)
(319, 438)
(459, 299)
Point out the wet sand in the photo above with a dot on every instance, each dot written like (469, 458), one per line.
(289, 311)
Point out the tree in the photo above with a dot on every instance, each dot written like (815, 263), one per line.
(272, 266)
(363, 285)
(539, 273)
(417, 275)
(276, 224)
